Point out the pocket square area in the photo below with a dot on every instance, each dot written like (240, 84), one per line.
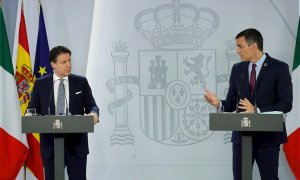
(78, 92)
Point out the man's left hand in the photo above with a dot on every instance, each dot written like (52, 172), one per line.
(96, 118)
(246, 105)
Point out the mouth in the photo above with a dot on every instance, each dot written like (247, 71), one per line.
(68, 71)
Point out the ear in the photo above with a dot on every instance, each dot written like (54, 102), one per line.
(53, 65)
(255, 46)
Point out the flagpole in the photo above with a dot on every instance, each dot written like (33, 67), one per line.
(24, 169)
(24, 166)
(39, 3)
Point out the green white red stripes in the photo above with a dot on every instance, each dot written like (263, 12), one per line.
(13, 151)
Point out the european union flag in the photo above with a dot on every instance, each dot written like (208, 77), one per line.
(41, 64)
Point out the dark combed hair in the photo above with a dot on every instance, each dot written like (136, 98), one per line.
(56, 51)
(252, 36)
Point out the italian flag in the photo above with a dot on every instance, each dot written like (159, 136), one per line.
(13, 146)
(292, 148)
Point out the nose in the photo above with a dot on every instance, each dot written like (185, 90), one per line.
(68, 64)
(238, 50)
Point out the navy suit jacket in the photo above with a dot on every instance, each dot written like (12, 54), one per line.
(273, 92)
(81, 101)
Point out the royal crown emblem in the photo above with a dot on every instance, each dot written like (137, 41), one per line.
(174, 24)
(57, 124)
(24, 80)
(245, 122)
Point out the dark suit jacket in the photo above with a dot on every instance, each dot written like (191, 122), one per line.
(273, 92)
(81, 102)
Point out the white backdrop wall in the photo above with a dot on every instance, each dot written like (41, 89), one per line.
(149, 77)
(146, 133)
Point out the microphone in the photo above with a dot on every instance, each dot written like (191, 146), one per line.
(238, 95)
(50, 97)
(254, 97)
(67, 105)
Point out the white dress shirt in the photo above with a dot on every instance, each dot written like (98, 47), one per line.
(55, 86)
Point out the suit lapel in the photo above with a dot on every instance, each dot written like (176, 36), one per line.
(51, 93)
(71, 92)
(246, 79)
(263, 70)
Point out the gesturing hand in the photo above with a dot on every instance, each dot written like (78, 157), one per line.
(211, 98)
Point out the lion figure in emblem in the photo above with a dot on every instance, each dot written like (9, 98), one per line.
(198, 66)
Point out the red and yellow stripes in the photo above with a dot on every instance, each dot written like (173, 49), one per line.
(25, 83)
(24, 78)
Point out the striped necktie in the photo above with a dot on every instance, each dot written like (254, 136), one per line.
(61, 98)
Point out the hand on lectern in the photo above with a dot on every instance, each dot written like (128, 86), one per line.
(246, 105)
(96, 118)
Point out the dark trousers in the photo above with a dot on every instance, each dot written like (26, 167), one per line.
(76, 167)
(266, 157)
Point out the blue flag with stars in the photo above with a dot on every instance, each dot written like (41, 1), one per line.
(41, 64)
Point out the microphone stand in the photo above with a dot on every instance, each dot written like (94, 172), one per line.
(66, 100)
(254, 96)
(238, 96)
(49, 111)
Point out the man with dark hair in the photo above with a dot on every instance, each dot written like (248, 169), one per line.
(56, 51)
(64, 93)
(259, 83)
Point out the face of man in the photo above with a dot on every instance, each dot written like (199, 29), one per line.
(245, 51)
(62, 67)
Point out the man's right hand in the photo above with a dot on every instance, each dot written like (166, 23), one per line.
(211, 98)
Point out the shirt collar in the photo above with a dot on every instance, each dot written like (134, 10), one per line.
(56, 78)
(260, 61)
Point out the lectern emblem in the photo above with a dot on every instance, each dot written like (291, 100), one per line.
(57, 124)
(245, 122)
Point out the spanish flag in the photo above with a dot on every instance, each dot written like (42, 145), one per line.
(25, 82)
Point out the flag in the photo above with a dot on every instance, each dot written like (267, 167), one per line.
(24, 78)
(41, 63)
(13, 151)
(41, 68)
(25, 82)
(292, 148)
